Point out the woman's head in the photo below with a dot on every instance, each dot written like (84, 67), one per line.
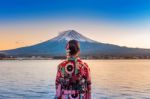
(73, 48)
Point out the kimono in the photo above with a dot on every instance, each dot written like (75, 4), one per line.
(73, 80)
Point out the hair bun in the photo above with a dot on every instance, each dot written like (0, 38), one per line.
(73, 47)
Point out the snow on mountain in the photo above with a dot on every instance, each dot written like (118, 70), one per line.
(70, 35)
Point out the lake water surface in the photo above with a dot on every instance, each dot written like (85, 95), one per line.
(111, 79)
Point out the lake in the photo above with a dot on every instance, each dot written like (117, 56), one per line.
(111, 79)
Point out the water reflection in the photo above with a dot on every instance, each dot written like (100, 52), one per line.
(121, 78)
(111, 79)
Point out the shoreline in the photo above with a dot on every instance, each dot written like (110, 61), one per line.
(81, 58)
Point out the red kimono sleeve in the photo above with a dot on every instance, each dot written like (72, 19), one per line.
(88, 82)
(57, 83)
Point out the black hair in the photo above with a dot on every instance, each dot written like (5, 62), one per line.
(73, 46)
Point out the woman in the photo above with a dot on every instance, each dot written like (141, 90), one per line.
(73, 76)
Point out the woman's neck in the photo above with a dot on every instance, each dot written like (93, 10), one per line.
(72, 57)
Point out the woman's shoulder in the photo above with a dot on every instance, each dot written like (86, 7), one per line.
(83, 63)
(63, 63)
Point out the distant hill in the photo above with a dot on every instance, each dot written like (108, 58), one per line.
(55, 47)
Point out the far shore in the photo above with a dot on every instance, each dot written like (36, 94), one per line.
(115, 58)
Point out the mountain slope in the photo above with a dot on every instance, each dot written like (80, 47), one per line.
(56, 47)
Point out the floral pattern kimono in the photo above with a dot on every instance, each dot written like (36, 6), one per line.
(73, 80)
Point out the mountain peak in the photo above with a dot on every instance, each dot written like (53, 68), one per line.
(70, 31)
(71, 35)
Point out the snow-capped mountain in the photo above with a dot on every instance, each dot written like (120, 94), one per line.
(56, 47)
(70, 35)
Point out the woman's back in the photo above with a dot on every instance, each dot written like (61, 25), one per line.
(73, 80)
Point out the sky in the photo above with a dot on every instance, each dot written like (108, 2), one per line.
(120, 22)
